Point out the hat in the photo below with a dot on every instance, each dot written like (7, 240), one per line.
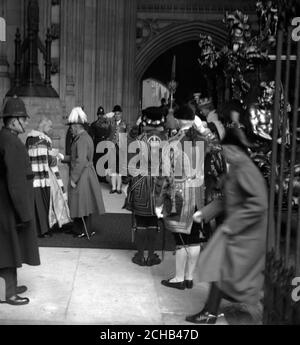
(100, 111)
(185, 112)
(117, 108)
(204, 101)
(77, 116)
(236, 136)
(153, 116)
(14, 107)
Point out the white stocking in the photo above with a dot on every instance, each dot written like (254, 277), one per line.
(194, 252)
(181, 259)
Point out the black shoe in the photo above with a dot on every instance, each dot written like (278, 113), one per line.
(119, 191)
(179, 285)
(204, 317)
(139, 260)
(46, 235)
(21, 289)
(93, 233)
(153, 260)
(16, 300)
(189, 284)
(113, 191)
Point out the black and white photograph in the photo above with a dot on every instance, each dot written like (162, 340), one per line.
(149, 166)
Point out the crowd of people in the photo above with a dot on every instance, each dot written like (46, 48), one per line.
(222, 202)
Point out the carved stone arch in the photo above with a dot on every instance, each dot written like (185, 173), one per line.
(172, 36)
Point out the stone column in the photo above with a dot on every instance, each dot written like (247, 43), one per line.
(79, 30)
(115, 56)
(45, 22)
(97, 55)
(4, 76)
(89, 80)
(55, 47)
(109, 55)
(130, 85)
(67, 54)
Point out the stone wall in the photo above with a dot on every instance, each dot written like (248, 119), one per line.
(97, 55)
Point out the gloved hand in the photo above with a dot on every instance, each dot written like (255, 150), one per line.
(158, 212)
(73, 184)
(226, 230)
(60, 157)
(197, 217)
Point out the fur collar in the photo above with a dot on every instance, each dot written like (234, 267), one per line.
(41, 135)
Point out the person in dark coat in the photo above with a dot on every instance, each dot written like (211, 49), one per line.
(100, 130)
(85, 196)
(118, 126)
(18, 243)
(234, 259)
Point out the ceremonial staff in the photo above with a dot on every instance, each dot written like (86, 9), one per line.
(172, 84)
(85, 228)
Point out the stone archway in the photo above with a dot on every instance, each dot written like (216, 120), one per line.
(173, 35)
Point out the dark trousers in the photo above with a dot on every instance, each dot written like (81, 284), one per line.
(145, 239)
(215, 297)
(9, 275)
(78, 226)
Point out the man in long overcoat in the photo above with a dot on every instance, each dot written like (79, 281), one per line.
(234, 259)
(85, 196)
(18, 242)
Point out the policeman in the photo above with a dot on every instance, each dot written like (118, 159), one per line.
(18, 243)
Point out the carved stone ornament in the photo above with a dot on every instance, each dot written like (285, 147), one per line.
(148, 28)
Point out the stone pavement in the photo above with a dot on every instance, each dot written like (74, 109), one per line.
(103, 286)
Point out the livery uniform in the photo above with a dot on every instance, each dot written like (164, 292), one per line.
(141, 195)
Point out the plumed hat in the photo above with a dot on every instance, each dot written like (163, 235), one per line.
(185, 112)
(100, 111)
(14, 107)
(153, 117)
(77, 116)
(117, 108)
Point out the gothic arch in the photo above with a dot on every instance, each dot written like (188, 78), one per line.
(173, 35)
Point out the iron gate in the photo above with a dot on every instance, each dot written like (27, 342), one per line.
(281, 305)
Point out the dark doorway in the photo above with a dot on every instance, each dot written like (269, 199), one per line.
(189, 77)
